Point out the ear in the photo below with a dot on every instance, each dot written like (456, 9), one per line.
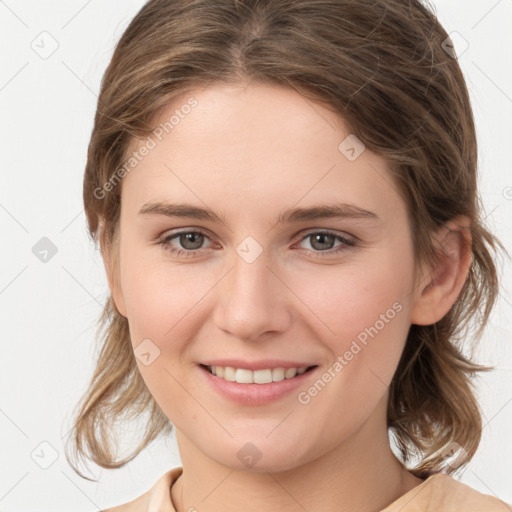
(110, 256)
(441, 285)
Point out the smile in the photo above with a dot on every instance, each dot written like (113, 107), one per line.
(263, 376)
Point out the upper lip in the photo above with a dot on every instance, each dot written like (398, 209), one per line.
(262, 364)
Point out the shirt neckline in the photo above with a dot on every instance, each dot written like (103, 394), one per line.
(172, 476)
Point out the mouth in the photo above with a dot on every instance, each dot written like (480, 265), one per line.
(262, 376)
(265, 384)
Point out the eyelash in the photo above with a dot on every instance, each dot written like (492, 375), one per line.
(346, 243)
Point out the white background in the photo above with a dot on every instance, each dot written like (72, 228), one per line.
(49, 310)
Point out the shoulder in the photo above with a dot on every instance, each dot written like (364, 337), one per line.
(139, 504)
(450, 492)
(159, 494)
(442, 493)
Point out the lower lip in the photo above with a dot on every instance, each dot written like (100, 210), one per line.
(255, 394)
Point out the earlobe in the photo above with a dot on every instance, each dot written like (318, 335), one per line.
(110, 256)
(442, 284)
(115, 288)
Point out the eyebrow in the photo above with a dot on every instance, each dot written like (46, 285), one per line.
(324, 211)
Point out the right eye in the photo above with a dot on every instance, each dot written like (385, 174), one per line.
(190, 242)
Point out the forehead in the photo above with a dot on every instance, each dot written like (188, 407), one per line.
(256, 147)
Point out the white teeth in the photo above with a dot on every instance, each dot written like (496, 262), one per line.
(244, 376)
(262, 376)
(229, 373)
(277, 374)
(290, 372)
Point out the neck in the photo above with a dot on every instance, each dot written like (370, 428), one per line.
(361, 474)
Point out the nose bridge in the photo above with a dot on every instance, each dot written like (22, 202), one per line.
(251, 281)
(250, 300)
(251, 274)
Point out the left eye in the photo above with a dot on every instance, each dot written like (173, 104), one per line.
(191, 241)
(318, 239)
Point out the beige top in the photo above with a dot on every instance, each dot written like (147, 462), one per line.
(438, 493)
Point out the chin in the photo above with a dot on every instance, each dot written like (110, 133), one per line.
(258, 456)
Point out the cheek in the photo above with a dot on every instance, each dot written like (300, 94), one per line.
(162, 302)
(361, 315)
(160, 296)
(348, 299)
(365, 321)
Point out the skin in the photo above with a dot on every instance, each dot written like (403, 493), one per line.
(250, 151)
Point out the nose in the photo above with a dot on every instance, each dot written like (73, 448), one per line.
(253, 300)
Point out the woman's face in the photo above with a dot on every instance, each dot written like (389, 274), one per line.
(263, 287)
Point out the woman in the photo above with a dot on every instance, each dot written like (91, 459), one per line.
(284, 193)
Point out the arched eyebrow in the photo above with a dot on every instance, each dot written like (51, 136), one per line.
(316, 212)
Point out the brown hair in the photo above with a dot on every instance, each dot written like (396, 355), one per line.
(381, 65)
